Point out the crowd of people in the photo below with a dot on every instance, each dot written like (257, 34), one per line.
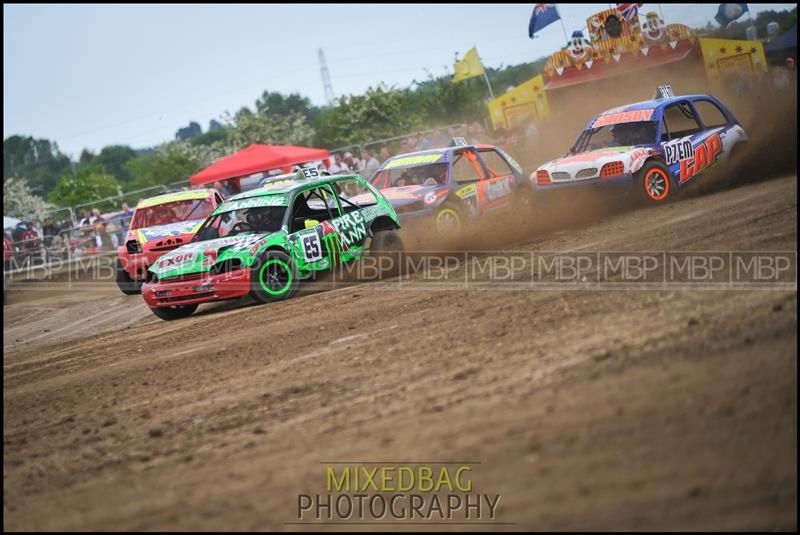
(94, 232)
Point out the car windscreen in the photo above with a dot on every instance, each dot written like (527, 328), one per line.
(259, 220)
(616, 135)
(418, 175)
(171, 212)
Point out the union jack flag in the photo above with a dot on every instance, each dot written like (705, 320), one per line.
(629, 11)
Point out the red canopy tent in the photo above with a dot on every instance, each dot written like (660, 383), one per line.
(257, 158)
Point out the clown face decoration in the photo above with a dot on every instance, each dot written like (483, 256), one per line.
(579, 49)
(654, 30)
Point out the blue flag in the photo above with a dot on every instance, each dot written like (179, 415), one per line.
(728, 13)
(543, 14)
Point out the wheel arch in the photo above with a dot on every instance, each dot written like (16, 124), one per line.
(382, 223)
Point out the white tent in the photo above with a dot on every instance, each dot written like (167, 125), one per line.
(10, 222)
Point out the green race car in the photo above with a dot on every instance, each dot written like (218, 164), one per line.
(262, 242)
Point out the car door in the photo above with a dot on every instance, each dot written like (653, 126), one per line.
(316, 242)
(351, 225)
(497, 184)
(687, 146)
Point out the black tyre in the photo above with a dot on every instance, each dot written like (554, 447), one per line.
(174, 313)
(387, 248)
(387, 241)
(273, 277)
(653, 183)
(126, 283)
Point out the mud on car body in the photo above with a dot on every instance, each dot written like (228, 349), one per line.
(262, 242)
(652, 149)
(159, 225)
(448, 187)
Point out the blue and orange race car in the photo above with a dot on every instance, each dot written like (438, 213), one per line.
(653, 148)
(447, 187)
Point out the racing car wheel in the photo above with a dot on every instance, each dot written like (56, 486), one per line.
(449, 219)
(273, 277)
(653, 183)
(174, 313)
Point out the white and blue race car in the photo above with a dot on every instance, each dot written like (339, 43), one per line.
(652, 149)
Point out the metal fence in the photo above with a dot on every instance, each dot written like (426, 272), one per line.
(62, 235)
(410, 142)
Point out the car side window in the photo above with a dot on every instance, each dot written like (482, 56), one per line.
(380, 180)
(318, 204)
(353, 195)
(495, 163)
(710, 114)
(678, 121)
(465, 169)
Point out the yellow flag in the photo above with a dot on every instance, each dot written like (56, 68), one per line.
(469, 67)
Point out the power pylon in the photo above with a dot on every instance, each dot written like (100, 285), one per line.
(326, 78)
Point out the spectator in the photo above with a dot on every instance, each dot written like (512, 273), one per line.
(790, 65)
(50, 231)
(30, 238)
(370, 164)
(87, 224)
(385, 154)
(125, 217)
(223, 190)
(18, 231)
(338, 165)
(350, 163)
(101, 237)
(425, 143)
(8, 251)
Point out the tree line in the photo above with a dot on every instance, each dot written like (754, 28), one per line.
(274, 118)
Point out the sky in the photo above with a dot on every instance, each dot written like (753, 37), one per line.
(87, 76)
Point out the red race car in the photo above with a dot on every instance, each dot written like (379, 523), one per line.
(159, 225)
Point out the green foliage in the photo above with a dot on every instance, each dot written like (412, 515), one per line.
(112, 160)
(20, 202)
(38, 160)
(443, 102)
(210, 137)
(83, 186)
(188, 132)
(380, 112)
(290, 129)
(165, 167)
(273, 104)
(513, 75)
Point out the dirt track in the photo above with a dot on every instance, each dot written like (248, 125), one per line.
(586, 409)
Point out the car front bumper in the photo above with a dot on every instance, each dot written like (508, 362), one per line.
(136, 264)
(204, 289)
(615, 185)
